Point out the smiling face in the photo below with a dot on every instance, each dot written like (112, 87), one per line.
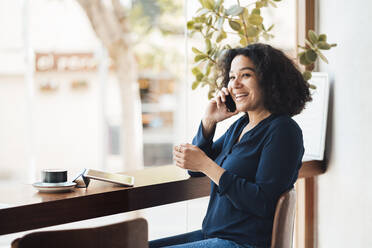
(243, 85)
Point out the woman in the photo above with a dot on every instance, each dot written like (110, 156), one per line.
(258, 157)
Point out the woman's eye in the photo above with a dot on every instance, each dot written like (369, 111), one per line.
(231, 77)
(246, 75)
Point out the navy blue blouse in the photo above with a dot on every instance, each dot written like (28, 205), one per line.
(259, 168)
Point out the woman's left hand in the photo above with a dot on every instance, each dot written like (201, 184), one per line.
(190, 157)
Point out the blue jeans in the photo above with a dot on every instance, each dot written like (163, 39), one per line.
(194, 239)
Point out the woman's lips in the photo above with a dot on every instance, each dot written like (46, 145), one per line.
(240, 97)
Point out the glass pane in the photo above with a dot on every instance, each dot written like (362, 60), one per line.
(160, 53)
(73, 119)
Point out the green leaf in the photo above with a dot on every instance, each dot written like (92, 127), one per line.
(190, 24)
(198, 26)
(303, 59)
(252, 31)
(208, 68)
(221, 36)
(234, 10)
(320, 54)
(255, 19)
(312, 36)
(311, 55)
(243, 41)
(306, 75)
(322, 37)
(203, 11)
(199, 76)
(200, 57)
(208, 4)
(272, 4)
(324, 45)
(259, 5)
(196, 51)
(271, 27)
(200, 19)
(209, 34)
(208, 44)
(210, 19)
(195, 84)
(264, 2)
(277, 0)
(310, 44)
(311, 86)
(234, 25)
(195, 71)
(256, 11)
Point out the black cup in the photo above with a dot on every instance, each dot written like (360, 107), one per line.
(54, 176)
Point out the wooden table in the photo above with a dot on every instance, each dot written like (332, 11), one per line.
(26, 209)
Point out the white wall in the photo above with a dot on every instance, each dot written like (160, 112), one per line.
(345, 192)
(13, 130)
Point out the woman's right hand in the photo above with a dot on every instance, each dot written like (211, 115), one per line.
(216, 110)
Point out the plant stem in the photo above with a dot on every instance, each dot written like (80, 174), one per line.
(212, 60)
(225, 31)
(226, 17)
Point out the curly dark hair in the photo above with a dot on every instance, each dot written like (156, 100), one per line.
(283, 87)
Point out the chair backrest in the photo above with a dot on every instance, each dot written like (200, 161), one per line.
(127, 234)
(282, 236)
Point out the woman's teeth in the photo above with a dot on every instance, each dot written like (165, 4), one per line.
(240, 96)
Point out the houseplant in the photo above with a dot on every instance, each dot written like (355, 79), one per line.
(246, 23)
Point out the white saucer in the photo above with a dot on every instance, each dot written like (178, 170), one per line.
(54, 187)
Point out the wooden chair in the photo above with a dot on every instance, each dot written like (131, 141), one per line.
(127, 234)
(282, 236)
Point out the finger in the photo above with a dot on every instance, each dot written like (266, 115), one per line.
(225, 90)
(186, 145)
(218, 101)
(175, 148)
(221, 94)
(181, 165)
(185, 148)
(177, 154)
(178, 159)
(182, 148)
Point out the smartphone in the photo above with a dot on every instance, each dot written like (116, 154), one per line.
(230, 104)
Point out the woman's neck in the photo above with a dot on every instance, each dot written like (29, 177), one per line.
(257, 116)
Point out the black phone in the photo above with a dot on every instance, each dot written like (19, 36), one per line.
(230, 104)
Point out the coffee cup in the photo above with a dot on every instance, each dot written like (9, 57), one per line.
(54, 176)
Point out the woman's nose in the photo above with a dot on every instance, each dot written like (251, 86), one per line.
(235, 83)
